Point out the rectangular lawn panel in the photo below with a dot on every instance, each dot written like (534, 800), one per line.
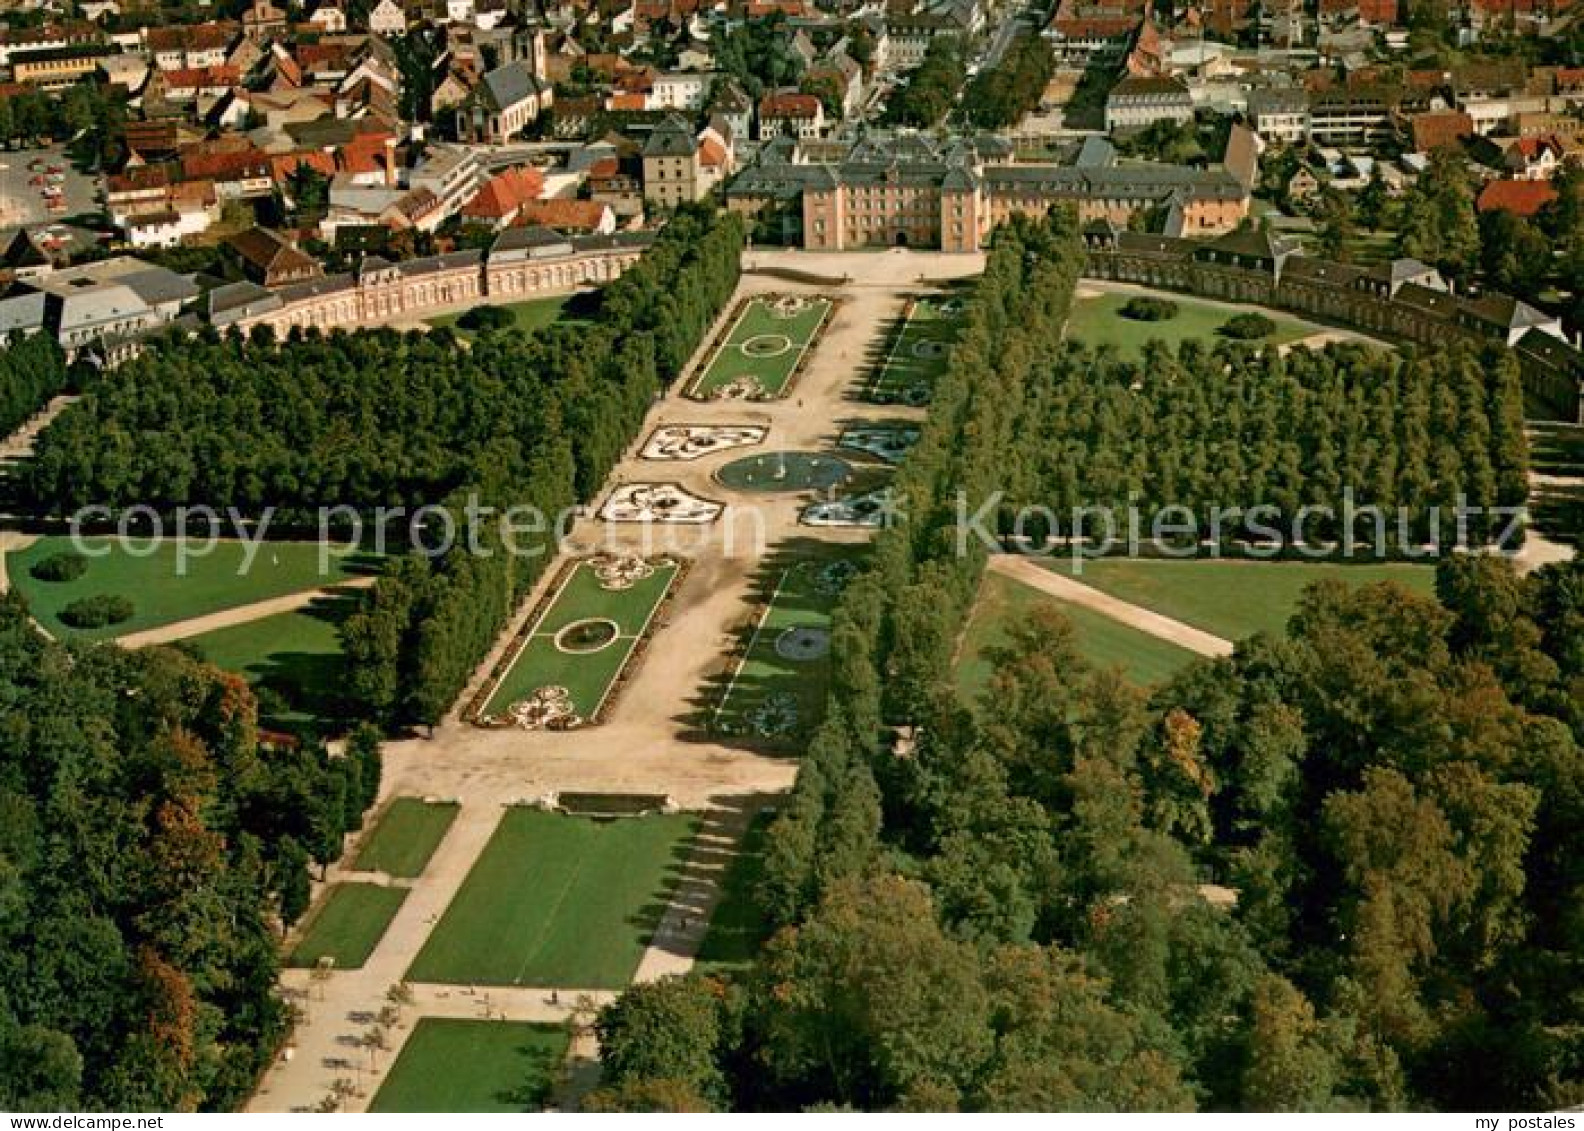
(1144, 659)
(159, 594)
(457, 1065)
(535, 314)
(754, 347)
(778, 691)
(1232, 599)
(558, 901)
(348, 925)
(916, 357)
(737, 930)
(294, 656)
(1096, 320)
(587, 675)
(407, 834)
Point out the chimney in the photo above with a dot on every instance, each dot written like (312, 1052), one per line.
(390, 162)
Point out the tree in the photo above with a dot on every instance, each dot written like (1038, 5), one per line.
(670, 1034)
(1289, 1066)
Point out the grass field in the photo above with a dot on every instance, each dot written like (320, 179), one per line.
(784, 341)
(1143, 658)
(559, 901)
(778, 690)
(407, 834)
(587, 675)
(917, 356)
(292, 659)
(348, 925)
(455, 1065)
(1232, 599)
(736, 929)
(1097, 321)
(535, 314)
(161, 595)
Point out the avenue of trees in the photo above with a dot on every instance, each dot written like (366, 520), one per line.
(32, 370)
(151, 852)
(1337, 870)
(999, 97)
(931, 88)
(426, 624)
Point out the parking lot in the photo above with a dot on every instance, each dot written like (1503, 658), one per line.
(30, 178)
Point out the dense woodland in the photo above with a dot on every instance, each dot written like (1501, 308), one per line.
(152, 848)
(1011, 914)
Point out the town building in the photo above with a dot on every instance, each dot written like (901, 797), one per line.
(1138, 102)
(671, 164)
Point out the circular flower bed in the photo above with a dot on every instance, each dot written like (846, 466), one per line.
(585, 636)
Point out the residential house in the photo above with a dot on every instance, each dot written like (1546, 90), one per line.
(1521, 198)
(329, 18)
(501, 199)
(792, 114)
(387, 18)
(270, 259)
(1279, 114)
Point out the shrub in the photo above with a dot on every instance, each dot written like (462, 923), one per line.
(97, 611)
(1247, 327)
(486, 318)
(1143, 309)
(68, 565)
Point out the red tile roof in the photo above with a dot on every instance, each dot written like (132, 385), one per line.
(1521, 198)
(505, 194)
(567, 215)
(1441, 129)
(789, 106)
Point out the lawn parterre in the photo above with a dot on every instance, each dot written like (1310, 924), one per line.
(293, 659)
(147, 574)
(535, 314)
(558, 901)
(916, 354)
(776, 690)
(408, 833)
(458, 1065)
(765, 348)
(348, 925)
(1144, 659)
(1096, 320)
(1232, 599)
(563, 669)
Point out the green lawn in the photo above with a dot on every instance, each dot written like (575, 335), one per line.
(455, 1065)
(1232, 599)
(587, 675)
(407, 834)
(292, 659)
(760, 325)
(736, 929)
(1143, 658)
(1097, 321)
(160, 594)
(778, 690)
(558, 901)
(915, 358)
(348, 925)
(535, 314)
